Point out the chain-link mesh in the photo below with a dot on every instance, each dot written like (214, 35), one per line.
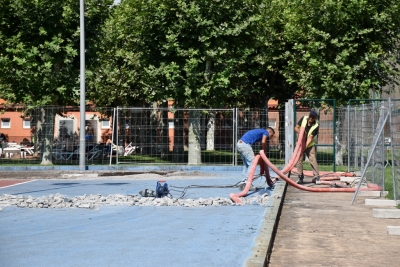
(370, 133)
(325, 144)
(189, 136)
(208, 136)
(248, 119)
(140, 136)
(153, 136)
(168, 136)
(53, 137)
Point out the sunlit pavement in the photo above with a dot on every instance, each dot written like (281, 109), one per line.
(129, 235)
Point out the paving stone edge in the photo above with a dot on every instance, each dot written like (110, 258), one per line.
(262, 248)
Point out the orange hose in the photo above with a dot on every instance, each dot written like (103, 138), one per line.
(370, 187)
(264, 171)
(235, 197)
(297, 153)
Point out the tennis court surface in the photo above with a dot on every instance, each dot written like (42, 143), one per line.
(123, 234)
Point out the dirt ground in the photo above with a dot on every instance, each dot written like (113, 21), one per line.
(324, 229)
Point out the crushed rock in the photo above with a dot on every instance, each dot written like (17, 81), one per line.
(95, 201)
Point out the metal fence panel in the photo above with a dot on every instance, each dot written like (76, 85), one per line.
(371, 132)
(168, 136)
(325, 140)
(145, 135)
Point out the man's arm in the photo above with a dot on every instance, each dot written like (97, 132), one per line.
(312, 135)
(309, 140)
(297, 128)
(264, 143)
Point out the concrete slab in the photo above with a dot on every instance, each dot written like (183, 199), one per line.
(393, 230)
(381, 202)
(386, 213)
(325, 229)
(372, 193)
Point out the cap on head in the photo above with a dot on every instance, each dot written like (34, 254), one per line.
(313, 113)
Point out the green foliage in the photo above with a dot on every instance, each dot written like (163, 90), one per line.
(117, 81)
(339, 49)
(199, 53)
(39, 49)
(222, 53)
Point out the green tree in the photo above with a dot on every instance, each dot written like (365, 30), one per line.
(119, 78)
(198, 53)
(39, 52)
(339, 49)
(330, 49)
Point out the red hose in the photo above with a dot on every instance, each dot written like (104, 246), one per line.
(370, 187)
(264, 171)
(235, 197)
(297, 153)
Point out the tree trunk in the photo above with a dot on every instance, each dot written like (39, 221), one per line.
(339, 138)
(194, 137)
(45, 126)
(339, 153)
(123, 120)
(152, 133)
(211, 131)
(163, 128)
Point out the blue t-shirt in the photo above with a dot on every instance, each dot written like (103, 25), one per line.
(253, 136)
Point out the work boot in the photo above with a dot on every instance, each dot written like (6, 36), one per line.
(301, 179)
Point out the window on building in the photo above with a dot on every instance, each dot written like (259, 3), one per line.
(105, 124)
(26, 124)
(5, 123)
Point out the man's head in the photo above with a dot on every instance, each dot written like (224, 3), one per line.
(313, 115)
(271, 132)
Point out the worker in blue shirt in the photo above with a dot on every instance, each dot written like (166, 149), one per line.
(250, 138)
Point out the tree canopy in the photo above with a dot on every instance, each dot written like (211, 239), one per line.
(203, 53)
(199, 53)
(39, 49)
(339, 49)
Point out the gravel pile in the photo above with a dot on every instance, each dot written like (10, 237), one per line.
(95, 201)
